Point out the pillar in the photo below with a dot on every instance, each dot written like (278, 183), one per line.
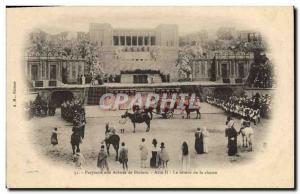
(48, 67)
(206, 73)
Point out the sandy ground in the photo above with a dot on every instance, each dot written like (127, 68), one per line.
(172, 132)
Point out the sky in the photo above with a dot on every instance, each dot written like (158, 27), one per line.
(188, 19)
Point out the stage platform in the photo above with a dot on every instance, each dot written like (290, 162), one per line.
(153, 85)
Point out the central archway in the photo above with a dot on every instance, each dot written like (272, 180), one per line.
(223, 92)
(58, 97)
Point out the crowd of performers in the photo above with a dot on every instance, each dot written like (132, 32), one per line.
(253, 108)
(157, 156)
(73, 111)
(168, 108)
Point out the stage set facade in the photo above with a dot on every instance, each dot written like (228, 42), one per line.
(138, 56)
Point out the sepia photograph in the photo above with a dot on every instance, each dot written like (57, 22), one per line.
(150, 97)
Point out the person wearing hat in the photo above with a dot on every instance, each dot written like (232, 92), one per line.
(143, 153)
(197, 103)
(154, 158)
(185, 156)
(231, 134)
(102, 159)
(163, 156)
(110, 131)
(54, 140)
(205, 134)
(199, 141)
(123, 156)
(248, 135)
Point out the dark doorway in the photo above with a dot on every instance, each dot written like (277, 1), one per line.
(64, 75)
(34, 72)
(52, 72)
(241, 70)
(140, 79)
(224, 71)
(58, 97)
(223, 93)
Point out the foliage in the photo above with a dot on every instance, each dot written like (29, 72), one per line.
(41, 44)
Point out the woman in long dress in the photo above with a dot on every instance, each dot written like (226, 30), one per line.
(154, 158)
(231, 134)
(199, 141)
(163, 156)
(143, 153)
(54, 140)
(205, 139)
(102, 159)
(123, 156)
(185, 156)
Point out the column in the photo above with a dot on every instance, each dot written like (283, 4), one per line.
(77, 65)
(228, 69)
(217, 70)
(119, 40)
(48, 70)
(233, 65)
(206, 73)
(29, 73)
(193, 70)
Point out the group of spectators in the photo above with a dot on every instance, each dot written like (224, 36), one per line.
(98, 80)
(250, 108)
(40, 107)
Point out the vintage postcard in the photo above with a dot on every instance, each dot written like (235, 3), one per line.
(150, 97)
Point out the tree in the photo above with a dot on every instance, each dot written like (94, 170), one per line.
(184, 62)
(261, 72)
(213, 70)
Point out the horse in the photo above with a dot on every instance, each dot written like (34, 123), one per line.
(75, 140)
(113, 139)
(138, 118)
(189, 110)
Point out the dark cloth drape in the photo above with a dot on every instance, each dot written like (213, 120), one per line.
(199, 143)
(231, 134)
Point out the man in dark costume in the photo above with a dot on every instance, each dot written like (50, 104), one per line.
(231, 134)
(199, 142)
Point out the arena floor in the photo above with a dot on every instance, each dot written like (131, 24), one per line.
(172, 132)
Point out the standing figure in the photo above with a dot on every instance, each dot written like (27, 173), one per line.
(185, 157)
(248, 136)
(83, 80)
(102, 159)
(79, 160)
(143, 153)
(231, 134)
(123, 156)
(54, 140)
(163, 156)
(199, 141)
(154, 158)
(205, 139)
